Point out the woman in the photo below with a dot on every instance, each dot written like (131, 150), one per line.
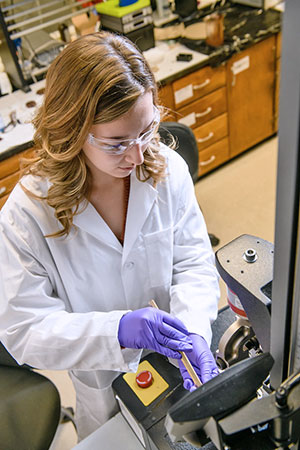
(104, 220)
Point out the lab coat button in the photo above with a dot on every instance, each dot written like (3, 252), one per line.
(129, 265)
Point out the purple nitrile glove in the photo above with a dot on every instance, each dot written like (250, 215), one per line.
(155, 330)
(202, 360)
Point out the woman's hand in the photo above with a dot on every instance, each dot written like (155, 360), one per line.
(155, 330)
(202, 360)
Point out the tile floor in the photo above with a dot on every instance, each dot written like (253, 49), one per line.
(235, 199)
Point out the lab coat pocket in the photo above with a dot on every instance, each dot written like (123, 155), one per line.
(94, 406)
(159, 252)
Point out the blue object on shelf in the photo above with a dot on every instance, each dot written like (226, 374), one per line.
(126, 2)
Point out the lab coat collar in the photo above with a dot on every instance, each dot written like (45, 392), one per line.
(141, 198)
(91, 222)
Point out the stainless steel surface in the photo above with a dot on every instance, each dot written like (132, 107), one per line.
(50, 22)
(285, 297)
(235, 344)
(31, 10)
(45, 15)
(114, 434)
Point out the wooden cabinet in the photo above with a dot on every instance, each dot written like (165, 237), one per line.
(204, 109)
(201, 103)
(213, 156)
(232, 107)
(250, 90)
(277, 80)
(197, 84)
(10, 173)
(166, 99)
(212, 131)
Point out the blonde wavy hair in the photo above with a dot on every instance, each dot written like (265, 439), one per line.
(94, 80)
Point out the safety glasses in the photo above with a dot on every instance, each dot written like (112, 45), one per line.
(117, 147)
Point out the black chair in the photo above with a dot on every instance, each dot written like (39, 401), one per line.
(187, 147)
(30, 408)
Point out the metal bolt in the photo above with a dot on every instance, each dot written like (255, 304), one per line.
(250, 255)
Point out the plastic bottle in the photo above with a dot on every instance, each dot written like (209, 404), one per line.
(163, 8)
(2, 124)
(64, 32)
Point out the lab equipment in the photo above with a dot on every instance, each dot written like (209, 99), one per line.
(163, 8)
(271, 420)
(134, 21)
(145, 409)
(265, 4)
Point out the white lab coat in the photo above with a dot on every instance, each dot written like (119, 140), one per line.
(62, 298)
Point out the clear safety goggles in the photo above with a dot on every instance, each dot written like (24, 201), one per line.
(117, 147)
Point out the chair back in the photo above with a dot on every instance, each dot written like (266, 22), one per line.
(30, 406)
(186, 144)
(6, 359)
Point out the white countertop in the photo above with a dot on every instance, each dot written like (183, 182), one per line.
(162, 60)
(23, 132)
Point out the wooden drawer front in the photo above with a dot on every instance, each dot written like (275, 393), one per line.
(165, 96)
(212, 131)
(213, 156)
(168, 118)
(7, 184)
(3, 200)
(278, 45)
(203, 110)
(12, 164)
(198, 84)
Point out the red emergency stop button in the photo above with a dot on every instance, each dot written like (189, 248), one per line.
(144, 379)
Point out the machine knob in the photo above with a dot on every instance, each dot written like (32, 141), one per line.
(250, 255)
(144, 379)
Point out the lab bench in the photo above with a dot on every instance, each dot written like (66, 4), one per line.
(228, 95)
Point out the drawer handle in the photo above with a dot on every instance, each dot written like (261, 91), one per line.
(206, 138)
(202, 85)
(204, 113)
(209, 161)
(2, 190)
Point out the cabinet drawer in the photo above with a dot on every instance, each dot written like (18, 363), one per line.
(204, 109)
(198, 84)
(213, 156)
(8, 183)
(212, 131)
(165, 97)
(12, 164)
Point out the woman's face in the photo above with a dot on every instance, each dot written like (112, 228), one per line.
(132, 125)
